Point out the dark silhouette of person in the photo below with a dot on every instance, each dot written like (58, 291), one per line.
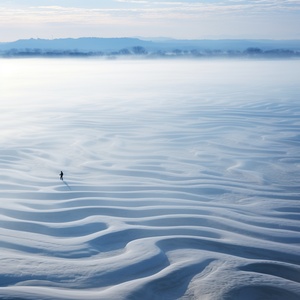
(61, 175)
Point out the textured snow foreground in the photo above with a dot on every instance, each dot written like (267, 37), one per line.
(181, 179)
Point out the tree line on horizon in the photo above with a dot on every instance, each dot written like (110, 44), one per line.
(252, 52)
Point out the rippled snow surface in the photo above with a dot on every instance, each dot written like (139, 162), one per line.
(181, 179)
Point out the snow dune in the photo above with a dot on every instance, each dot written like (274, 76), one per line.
(181, 179)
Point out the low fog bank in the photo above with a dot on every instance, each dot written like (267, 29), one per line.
(142, 52)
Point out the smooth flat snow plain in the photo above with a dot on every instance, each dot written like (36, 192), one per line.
(181, 179)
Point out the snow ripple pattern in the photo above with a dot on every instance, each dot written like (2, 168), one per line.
(168, 194)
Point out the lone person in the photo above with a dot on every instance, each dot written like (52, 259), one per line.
(61, 175)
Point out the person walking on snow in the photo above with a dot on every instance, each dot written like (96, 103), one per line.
(61, 175)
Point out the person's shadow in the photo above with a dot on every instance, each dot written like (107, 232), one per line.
(67, 185)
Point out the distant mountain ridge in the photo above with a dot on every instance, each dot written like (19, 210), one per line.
(81, 44)
(115, 46)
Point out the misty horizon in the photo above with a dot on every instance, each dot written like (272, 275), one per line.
(127, 47)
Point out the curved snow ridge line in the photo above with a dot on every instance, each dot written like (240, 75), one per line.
(95, 241)
(42, 290)
(8, 187)
(113, 202)
(103, 277)
(170, 215)
(67, 195)
(66, 230)
(283, 270)
(159, 278)
(190, 185)
(222, 225)
(199, 234)
(194, 192)
(231, 224)
(133, 267)
(143, 207)
(76, 213)
(169, 281)
(275, 228)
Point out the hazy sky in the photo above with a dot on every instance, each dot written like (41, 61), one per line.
(189, 19)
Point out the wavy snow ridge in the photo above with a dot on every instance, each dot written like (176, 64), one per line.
(176, 186)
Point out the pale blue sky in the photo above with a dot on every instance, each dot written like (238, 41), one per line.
(191, 19)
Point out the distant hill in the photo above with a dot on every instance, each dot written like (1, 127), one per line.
(140, 46)
(80, 44)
